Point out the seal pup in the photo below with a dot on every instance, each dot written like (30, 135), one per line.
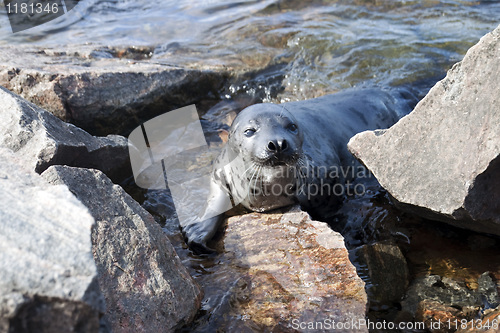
(296, 152)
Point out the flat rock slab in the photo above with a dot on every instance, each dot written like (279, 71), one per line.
(289, 272)
(442, 161)
(48, 276)
(42, 140)
(99, 89)
(146, 287)
(111, 90)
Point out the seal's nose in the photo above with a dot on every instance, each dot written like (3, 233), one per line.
(277, 146)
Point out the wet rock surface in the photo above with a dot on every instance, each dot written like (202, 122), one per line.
(42, 140)
(430, 249)
(489, 323)
(443, 160)
(112, 90)
(146, 287)
(443, 303)
(284, 272)
(48, 276)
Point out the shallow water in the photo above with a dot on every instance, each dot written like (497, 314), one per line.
(325, 45)
(316, 47)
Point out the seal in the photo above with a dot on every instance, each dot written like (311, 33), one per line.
(296, 152)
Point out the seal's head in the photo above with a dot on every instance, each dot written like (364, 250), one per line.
(268, 134)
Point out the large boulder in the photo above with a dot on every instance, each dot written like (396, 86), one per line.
(108, 89)
(48, 276)
(146, 287)
(43, 140)
(284, 272)
(443, 160)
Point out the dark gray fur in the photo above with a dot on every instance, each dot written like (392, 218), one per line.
(324, 126)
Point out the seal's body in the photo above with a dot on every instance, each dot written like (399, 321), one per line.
(296, 152)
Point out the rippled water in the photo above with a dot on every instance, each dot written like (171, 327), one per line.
(326, 45)
(300, 49)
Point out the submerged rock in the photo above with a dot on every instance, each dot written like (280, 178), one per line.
(433, 298)
(42, 140)
(146, 287)
(48, 276)
(443, 160)
(385, 267)
(439, 318)
(489, 323)
(288, 273)
(488, 290)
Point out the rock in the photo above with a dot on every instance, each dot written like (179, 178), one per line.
(385, 267)
(99, 89)
(49, 278)
(480, 242)
(146, 287)
(488, 290)
(489, 323)
(449, 293)
(438, 318)
(442, 161)
(111, 90)
(284, 273)
(43, 140)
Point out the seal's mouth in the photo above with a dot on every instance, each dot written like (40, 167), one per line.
(278, 160)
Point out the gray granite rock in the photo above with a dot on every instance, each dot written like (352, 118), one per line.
(48, 276)
(43, 140)
(443, 160)
(104, 90)
(146, 287)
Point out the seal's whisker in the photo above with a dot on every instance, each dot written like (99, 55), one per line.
(256, 180)
(251, 168)
(309, 169)
(302, 177)
(250, 184)
(252, 165)
(301, 164)
(262, 183)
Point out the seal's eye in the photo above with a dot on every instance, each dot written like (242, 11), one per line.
(292, 128)
(249, 132)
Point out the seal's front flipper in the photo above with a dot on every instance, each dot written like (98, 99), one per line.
(198, 234)
(204, 228)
